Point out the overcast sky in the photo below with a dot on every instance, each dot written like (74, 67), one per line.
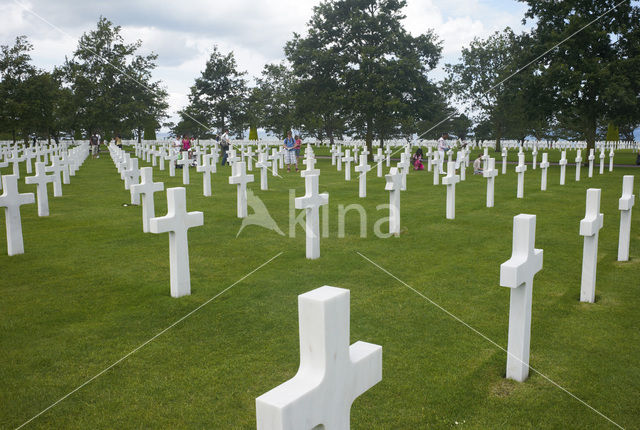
(183, 33)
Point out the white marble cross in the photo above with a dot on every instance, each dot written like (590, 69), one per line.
(490, 173)
(28, 156)
(450, 181)
(436, 168)
(3, 164)
(66, 172)
(591, 158)
(485, 158)
(387, 152)
(394, 186)
(333, 155)
(461, 164)
(331, 375)
(449, 159)
(544, 165)
(16, 160)
(339, 155)
(172, 157)
(184, 162)
(602, 155)
(177, 222)
(311, 202)
(233, 157)
(589, 228)
(578, 165)
(241, 179)
(563, 166)
(310, 162)
(249, 153)
(611, 154)
(131, 177)
(207, 167)
(504, 160)
(517, 273)
(520, 169)
(263, 164)
(161, 157)
(403, 167)
(11, 200)
(362, 168)
(41, 179)
(534, 153)
(625, 204)
(198, 151)
(378, 158)
(274, 161)
(429, 159)
(56, 169)
(154, 157)
(146, 188)
(348, 158)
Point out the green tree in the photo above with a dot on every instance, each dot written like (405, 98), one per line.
(112, 85)
(216, 98)
(487, 79)
(15, 70)
(378, 79)
(593, 74)
(253, 133)
(274, 93)
(612, 133)
(319, 91)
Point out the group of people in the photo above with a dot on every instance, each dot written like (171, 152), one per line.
(443, 147)
(96, 141)
(291, 145)
(292, 148)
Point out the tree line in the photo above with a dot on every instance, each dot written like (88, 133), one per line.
(355, 72)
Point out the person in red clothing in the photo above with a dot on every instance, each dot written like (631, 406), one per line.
(417, 160)
(297, 147)
(186, 143)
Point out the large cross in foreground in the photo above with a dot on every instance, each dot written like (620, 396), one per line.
(590, 228)
(625, 204)
(517, 273)
(332, 374)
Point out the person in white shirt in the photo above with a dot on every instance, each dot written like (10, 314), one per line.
(477, 165)
(443, 147)
(224, 145)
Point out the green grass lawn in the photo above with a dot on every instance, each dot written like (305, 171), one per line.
(92, 287)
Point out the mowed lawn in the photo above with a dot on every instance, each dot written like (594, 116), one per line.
(92, 288)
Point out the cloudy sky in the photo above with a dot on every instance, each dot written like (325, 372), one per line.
(183, 33)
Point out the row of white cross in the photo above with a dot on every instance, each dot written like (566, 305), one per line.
(66, 164)
(333, 374)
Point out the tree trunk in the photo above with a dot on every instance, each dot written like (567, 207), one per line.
(498, 136)
(590, 132)
(369, 135)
